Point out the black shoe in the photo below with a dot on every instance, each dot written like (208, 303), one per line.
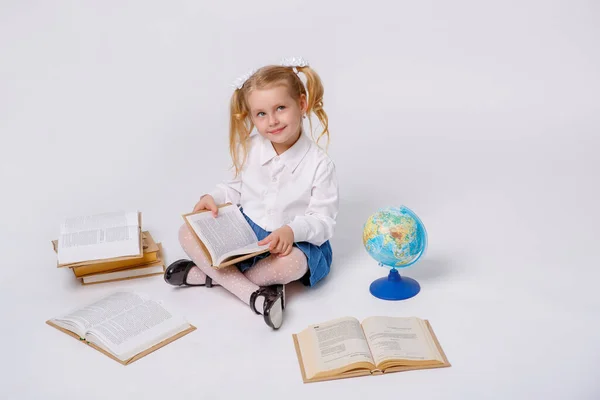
(176, 274)
(281, 289)
(272, 307)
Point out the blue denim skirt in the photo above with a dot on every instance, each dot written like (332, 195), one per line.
(319, 257)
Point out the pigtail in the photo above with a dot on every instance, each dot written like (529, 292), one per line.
(239, 130)
(315, 90)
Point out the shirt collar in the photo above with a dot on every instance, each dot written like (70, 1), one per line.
(291, 157)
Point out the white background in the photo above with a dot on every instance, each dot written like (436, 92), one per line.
(483, 117)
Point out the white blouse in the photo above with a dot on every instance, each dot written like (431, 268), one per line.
(298, 188)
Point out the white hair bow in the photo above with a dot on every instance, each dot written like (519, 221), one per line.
(294, 62)
(285, 62)
(239, 82)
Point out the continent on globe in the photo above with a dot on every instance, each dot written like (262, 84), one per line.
(395, 237)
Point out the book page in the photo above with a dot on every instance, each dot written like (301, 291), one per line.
(335, 345)
(226, 235)
(251, 248)
(100, 236)
(99, 311)
(136, 329)
(394, 338)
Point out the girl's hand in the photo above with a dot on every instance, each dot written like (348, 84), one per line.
(281, 241)
(207, 203)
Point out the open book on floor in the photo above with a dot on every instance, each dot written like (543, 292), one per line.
(226, 239)
(345, 347)
(124, 325)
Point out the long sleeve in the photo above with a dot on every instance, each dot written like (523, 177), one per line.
(228, 191)
(317, 225)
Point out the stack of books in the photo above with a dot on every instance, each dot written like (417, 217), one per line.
(108, 247)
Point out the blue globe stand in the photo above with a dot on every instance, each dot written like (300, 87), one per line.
(394, 287)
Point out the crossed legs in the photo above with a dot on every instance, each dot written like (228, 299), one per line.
(266, 272)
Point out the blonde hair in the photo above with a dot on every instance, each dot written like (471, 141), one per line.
(241, 124)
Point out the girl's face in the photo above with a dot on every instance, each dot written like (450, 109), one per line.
(277, 116)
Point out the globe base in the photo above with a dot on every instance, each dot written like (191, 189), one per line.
(394, 287)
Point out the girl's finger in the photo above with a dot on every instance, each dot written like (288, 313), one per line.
(280, 246)
(286, 251)
(265, 240)
(274, 243)
(199, 206)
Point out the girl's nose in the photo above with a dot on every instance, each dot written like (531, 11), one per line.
(273, 120)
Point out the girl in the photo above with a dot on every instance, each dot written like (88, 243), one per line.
(285, 186)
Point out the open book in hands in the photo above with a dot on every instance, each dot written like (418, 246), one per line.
(345, 347)
(225, 239)
(124, 325)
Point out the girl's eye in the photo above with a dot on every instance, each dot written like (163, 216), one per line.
(260, 114)
(281, 107)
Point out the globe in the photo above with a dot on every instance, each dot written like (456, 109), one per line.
(396, 238)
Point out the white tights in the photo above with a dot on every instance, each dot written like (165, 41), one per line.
(268, 271)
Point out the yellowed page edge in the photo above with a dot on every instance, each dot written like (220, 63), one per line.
(125, 279)
(134, 358)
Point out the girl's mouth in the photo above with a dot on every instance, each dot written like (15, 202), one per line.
(277, 131)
